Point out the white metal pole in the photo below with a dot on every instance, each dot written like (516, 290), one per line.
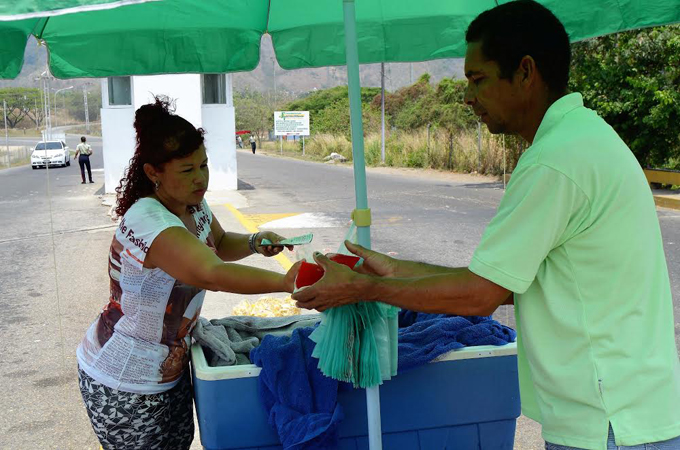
(382, 112)
(44, 106)
(48, 106)
(503, 162)
(55, 101)
(87, 112)
(479, 146)
(55, 107)
(4, 110)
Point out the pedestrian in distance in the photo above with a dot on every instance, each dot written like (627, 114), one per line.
(83, 153)
(253, 145)
(167, 250)
(239, 141)
(575, 244)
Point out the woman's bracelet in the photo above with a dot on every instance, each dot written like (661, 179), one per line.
(252, 242)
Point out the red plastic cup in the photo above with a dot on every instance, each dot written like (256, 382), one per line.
(348, 260)
(308, 274)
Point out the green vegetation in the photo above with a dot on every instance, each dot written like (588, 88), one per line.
(631, 79)
(22, 104)
(25, 107)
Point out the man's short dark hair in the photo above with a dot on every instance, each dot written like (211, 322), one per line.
(519, 28)
(82, 139)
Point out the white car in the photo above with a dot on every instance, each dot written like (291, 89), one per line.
(50, 153)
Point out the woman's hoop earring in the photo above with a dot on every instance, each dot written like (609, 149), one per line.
(157, 184)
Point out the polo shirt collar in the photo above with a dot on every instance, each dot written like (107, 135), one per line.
(557, 111)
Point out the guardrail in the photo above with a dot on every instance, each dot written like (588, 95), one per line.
(18, 155)
(661, 176)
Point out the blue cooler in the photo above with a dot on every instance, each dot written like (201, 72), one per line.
(467, 399)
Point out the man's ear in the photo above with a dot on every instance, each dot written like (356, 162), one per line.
(150, 172)
(527, 71)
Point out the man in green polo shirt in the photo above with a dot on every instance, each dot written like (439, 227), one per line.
(576, 239)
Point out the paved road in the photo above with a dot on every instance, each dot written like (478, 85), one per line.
(433, 218)
(37, 363)
(422, 216)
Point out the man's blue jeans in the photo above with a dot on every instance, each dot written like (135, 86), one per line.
(671, 444)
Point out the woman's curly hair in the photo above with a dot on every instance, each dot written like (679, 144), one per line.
(161, 137)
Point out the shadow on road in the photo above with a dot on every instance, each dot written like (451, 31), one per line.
(243, 186)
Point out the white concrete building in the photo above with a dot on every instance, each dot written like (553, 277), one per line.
(204, 100)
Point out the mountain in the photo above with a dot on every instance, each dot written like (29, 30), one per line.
(268, 75)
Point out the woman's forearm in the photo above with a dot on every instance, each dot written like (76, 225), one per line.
(233, 246)
(241, 279)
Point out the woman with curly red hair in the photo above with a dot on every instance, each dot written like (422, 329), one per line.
(168, 249)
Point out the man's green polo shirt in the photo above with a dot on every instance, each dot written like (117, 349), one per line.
(577, 239)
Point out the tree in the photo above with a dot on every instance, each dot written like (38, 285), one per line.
(632, 80)
(450, 113)
(75, 104)
(22, 103)
(318, 101)
(335, 119)
(254, 112)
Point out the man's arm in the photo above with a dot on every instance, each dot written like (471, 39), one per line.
(459, 292)
(376, 263)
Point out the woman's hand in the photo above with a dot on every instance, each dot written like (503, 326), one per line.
(270, 250)
(289, 278)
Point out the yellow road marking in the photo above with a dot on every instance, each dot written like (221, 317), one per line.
(251, 227)
(260, 219)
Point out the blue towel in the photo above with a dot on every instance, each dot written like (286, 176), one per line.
(301, 401)
(427, 336)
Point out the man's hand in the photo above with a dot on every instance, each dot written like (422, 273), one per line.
(374, 263)
(270, 250)
(337, 287)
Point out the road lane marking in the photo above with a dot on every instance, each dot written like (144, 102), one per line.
(260, 219)
(251, 227)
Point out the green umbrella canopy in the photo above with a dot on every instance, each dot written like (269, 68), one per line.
(188, 36)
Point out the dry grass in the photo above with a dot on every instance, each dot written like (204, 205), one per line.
(95, 129)
(412, 149)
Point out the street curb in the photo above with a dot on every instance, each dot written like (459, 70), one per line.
(667, 202)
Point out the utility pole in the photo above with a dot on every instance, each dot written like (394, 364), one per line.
(45, 101)
(55, 100)
(479, 146)
(382, 111)
(87, 111)
(4, 110)
(37, 126)
(275, 100)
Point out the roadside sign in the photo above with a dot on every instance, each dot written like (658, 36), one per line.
(291, 123)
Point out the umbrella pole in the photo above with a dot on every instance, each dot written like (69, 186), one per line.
(362, 214)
